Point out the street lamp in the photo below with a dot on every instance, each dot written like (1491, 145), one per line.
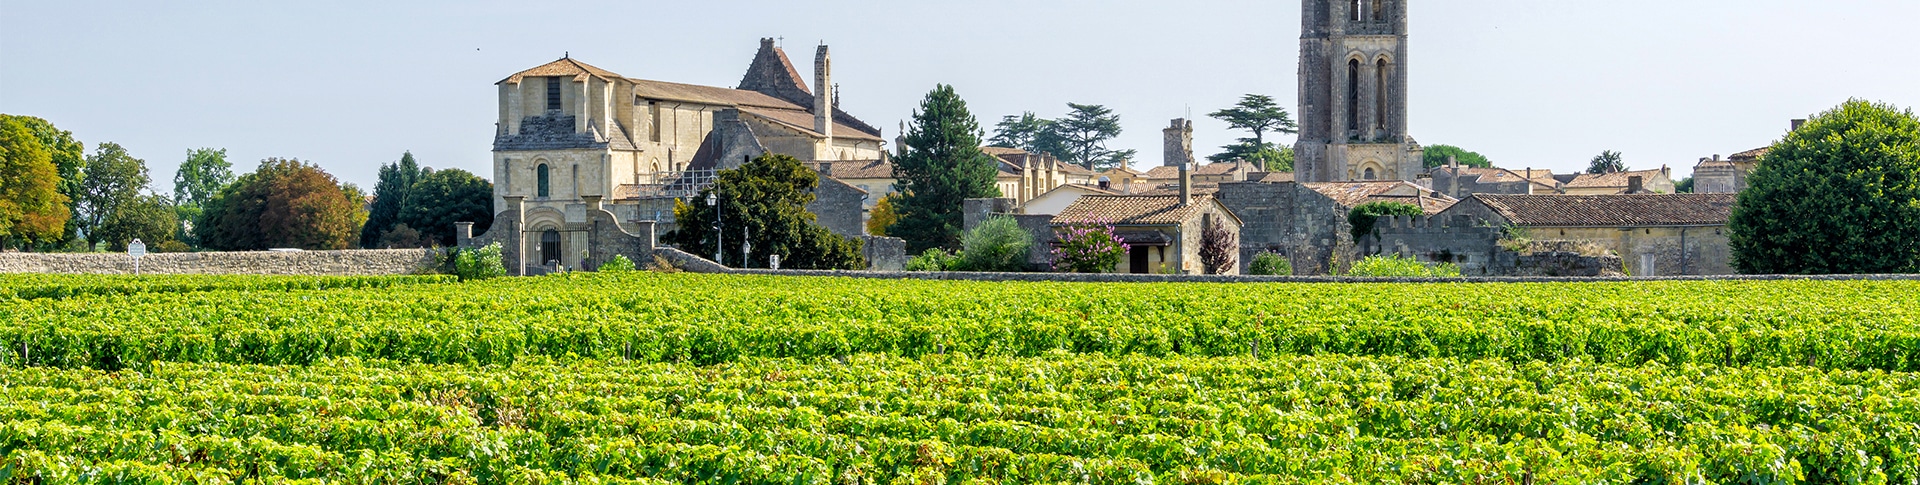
(719, 255)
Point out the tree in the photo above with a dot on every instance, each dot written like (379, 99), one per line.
(764, 202)
(31, 206)
(1363, 217)
(883, 215)
(285, 203)
(443, 198)
(998, 245)
(1088, 248)
(149, 218)
(389, 193)
(69, 162)
(1258, 114)
(1607, 162)
(201, 176)
(1271, 157)
(1437, 155)
(1684, 186)
(1218, 247)
(1839, 195)
(1084, 133)
(941, 168)
(114, 179)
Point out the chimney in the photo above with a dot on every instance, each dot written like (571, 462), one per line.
(1186, 185)
(1635, 185)
(1178, 145)
(823, 93)
(1798, 123)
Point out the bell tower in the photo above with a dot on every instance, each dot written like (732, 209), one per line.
(1353, 93)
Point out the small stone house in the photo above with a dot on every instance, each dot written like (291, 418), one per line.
(1659, 181)
(1162, 231)
(1654, 234)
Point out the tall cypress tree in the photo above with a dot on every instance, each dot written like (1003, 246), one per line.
(941, 168)
(396, 179)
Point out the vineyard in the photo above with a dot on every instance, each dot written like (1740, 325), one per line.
(655, 379)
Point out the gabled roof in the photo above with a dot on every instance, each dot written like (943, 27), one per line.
(802, 121)
(668, 91)
(1134, 210)
(772, 74)
(1616, 179)
(859, 169)
(1626, 210)
(1750, 155)
(565, 67)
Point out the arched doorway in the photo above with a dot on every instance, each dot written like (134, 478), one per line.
(549, 246)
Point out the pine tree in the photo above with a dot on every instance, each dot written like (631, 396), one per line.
(388, 195)
(941, 168)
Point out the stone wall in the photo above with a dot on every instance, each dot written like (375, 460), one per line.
(1289, 219)
(1461, 241)
(840, 207)
(884, 253)
(371, 262)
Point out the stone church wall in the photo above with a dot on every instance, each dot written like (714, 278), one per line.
(370, 262)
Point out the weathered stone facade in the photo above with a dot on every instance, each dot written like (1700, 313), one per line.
(370, 262)
(1653, 234)
(1353, 93)
(536, 246)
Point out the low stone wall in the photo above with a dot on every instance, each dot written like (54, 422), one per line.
(1158, 278)
(372, 262)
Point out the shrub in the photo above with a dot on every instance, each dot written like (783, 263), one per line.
(1270, 264)
(1394, 266)
(998, 245)
(479, 264)
(1839, 195)
(935, 259)
(1218, 247)
(1363, 217)
(619, 264)
(1088, 248)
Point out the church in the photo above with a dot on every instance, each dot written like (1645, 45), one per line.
(578, 148)
(1353, 93)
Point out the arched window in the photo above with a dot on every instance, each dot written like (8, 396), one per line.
(549, 246)
(1355, 9)
(1379, 10)
(542, 176)
(1353, 95)
(1369, 175)
(1380, 95)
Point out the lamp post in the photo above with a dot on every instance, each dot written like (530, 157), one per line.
(746, 247)
(719, 235)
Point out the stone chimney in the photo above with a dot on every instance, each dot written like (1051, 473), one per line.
(1635, 185)
(1186, 185)
(1453, 182)
(1178, 147)
(823, 93)
(1798, 123)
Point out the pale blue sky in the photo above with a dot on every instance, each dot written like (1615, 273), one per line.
(352, 84)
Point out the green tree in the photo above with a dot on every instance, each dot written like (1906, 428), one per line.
(114, 180)
(1363, 217)
(1258, 114)
(764, 202)
(940, 169)
(31, 205)
(69, 161)
(1436, 156)
(201, 176)
(389, 193)
(1839, 195)
(149, 218)
(1608, 161)
(1084, 133)
(445, 197)
(1684, 186)
(285, 203)
(1271, 157)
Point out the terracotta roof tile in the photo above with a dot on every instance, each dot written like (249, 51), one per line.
(803, 121)
(1616, 179)
(1131, 210)
(1750, 155)
(860, 169)
(565, 67)
(1162, 172)
(1272, 177)
(668, 91)
(1220, 168)
(1612, 210)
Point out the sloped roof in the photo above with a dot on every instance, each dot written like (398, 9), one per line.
(1625, 210)
(773, 74)
(1220, 168)
(1750, 155)
(1198, 188)
(1616, 179)
(1354, 194)
(1162, 172)
(1131, 210)
(803, 121)
(565, 67)
(1001, 151)
(859, 169)
(707, 95)
(1272, 177)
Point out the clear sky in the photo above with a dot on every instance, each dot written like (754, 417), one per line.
(352, 84)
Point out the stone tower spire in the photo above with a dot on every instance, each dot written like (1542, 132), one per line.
(823, 93)
(1177, 147)
(1353, 93)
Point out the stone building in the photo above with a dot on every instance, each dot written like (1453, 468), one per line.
(1658, 181)
(1458, 182)
(1655, 234)
(582, 154)
(1353, 93)
(1728, 176)
(1023, 175)
(1163, 232)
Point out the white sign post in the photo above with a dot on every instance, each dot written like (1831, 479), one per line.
(773, 262)
(136, 249)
